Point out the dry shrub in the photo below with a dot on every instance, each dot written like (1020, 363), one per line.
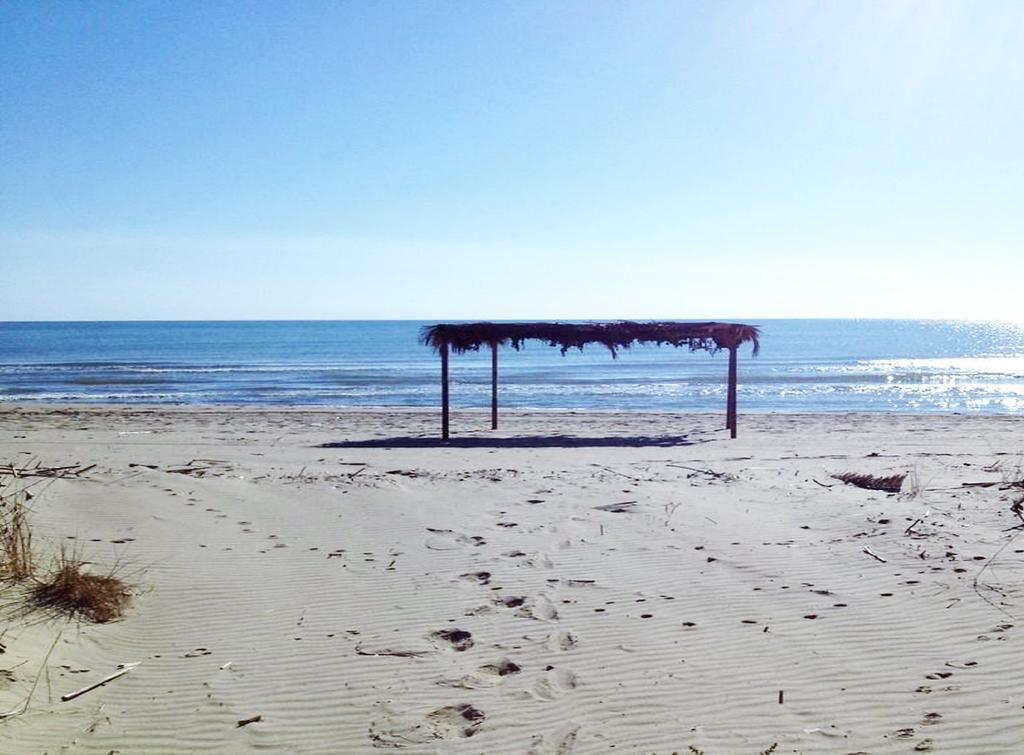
(70, 589)
(890, 484)
(15, 536)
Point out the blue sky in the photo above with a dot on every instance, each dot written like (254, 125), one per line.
(198, 160)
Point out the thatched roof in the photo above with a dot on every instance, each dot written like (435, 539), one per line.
(710, 336)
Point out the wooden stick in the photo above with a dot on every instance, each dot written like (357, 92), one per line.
(494, 385)
(105, 680)
(874, 555)
(444, 391)
(731, 400)
(708, 472)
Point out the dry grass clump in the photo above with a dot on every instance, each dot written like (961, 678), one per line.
(15, 535)
(70, 589)
(890, 484)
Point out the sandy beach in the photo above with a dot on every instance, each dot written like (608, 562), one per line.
(327, 581)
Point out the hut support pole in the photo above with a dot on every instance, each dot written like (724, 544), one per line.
(494, 385)
(444, 391)
(730, 410)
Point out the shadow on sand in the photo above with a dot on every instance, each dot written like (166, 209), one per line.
(532, 441)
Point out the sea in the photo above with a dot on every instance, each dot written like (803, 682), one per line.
(804, 366)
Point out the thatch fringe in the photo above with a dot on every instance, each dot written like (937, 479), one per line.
(709, 336)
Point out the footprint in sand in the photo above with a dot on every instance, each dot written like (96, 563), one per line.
(486, 676)
(458, 640)
(555, 683)
(561, 742)
(463, 720)
(391, 728)
(562, 641)
(446, 540)
(962, 664)
(511, 601)
(541, 608)
(477, 577)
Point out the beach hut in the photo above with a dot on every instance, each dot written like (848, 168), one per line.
(447, 338)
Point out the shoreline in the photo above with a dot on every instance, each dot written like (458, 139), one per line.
(42, 406)
(654, 591)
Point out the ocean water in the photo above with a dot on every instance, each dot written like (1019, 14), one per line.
(805, 365)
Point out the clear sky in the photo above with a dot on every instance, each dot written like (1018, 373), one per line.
(591, 159)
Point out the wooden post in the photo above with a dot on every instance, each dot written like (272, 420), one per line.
(731, 401)
(494, 385)
(444, 391)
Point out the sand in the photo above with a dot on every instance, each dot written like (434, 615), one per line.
(572, 583)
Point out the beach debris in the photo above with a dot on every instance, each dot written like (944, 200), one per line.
(36, 470)
(617, 508)
(246, 721)
(407, 472)
(1017, 507)
(890, 484)
(873, 554)
(910, 529)
(199, 467)
(723, 476)
(620, 474)
(123, 668)
(388, 652)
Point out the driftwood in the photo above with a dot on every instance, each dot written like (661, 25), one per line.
(617, 508)
(874, 555)
(890, 484)
(71, 470)
(125, 668)
(247, 721)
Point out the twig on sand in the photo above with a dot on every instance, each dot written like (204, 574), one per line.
(71, 470)
(125, 668)
(910, 529)
(874, 555)
(389, 652)
(821, 483)
(988, 563)
(723, 476)
(620, 474)
(617, 508)
(28, 698)
(247, 721)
